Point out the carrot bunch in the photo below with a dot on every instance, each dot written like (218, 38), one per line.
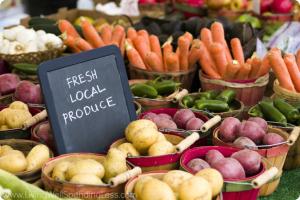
(144, 51)
(217, 61)
(286, 69)
(92, 38)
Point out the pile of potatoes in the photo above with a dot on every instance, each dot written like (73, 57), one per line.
(180, 185)
(14, 116)
(14, 161)
(91, 171)
(144, 139)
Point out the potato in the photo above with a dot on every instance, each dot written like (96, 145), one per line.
(252, 131)
(194, 124)
(128, 149)
(144, 138)
(13, 163)
(136, 125)
(140, 184)
(214, 178)
(8, 83)
(260, 121)
(197, 164)
(244, 142)
(4, 149)
(161, 148)
(11, 152)
(182, 116)
(174, 178)
(230, 168)
(250, 160)
(28, 92)
(164, 115)
(165, 123)
(229, 128)
(213, 156)
(18, 105)
(160, 137)
(114, 164)
(272, 138)
(195, 188)
(37, 157)
(86, 179)
(85, 166)
(150, 116)
(3, 115)
(59, 171)
(155, 189)
(16, 118)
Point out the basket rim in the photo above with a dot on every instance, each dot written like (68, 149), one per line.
(190, 70)
(62, 48)
(278, 89)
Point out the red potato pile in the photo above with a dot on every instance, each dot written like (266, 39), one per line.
(239, 165)
(183, 119)
(8, 83)
(28, 92)
(249, 133)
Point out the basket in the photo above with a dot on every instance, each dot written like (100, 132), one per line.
(275, 157)
(6, 99)
(138, 107)
(293, 158)
(25, 146)
(291, 97)
(250, 92)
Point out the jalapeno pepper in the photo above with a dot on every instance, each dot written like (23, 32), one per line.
(290, 112)
(271, 113)
(255, 112)
(188, 101)
(143, 90)
(166, 87)
(211, 105)
(227, 96)
(211, 94)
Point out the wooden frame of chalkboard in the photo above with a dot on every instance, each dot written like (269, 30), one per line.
(51, 81)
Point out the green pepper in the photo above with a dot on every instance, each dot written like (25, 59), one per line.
(227, 96)
(289, 111)
(211, 94)
(271, 113)
(144, 90)
(255, 112)
(166, 87)
(188, 101)
(211, 105)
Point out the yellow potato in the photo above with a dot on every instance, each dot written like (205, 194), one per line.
(13, 163)
(161, 137)
(18, 105)
(10, 152)
(16, 118)
(195, 188)
(114, 164)
(3, 128)
(174, 179)
(3, 115)
(136, 125)
(88, 179)
(86, 166)
(156, 190)
(144, 138)
(59, 171)
(214, 178)
(128, 149)
(4, 149)
(140, 184)
(161, 148)
(37, 157)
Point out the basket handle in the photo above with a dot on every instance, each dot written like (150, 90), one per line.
(122, 178)
(264, 177)
(187, 142)
(180, 95)
(293, 136)
(35, 119)
(210, 123)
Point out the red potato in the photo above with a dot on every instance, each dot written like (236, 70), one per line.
(230, 168)
(150, 116)
(164, 115)
(260, 121)
(250, 160)
(8, 83)
(213, 156)
(194, 124)
(198, 164)
(251, 130)
(182, 116)
(28, 92)
(244, 142)
(272, 138)
(229, 128)
(165, 123)
(44, 132)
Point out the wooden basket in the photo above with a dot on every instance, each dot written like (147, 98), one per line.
(293, 158)
(6, 99)
(138, 108)
(25, 146)
(291, 97)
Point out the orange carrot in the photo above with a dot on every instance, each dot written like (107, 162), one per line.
(131, 33)
(244, 72)
(255, 67)
(141, 46)
(172, 62)
(91, 35)
(134, 57)
(298, 58)
(145, 34)
(167, 49)
(183, 49)
(155, 45)
(280, 70)
(70, 42)
(122, 45)
(153, 62)
(292, 67)
(82, 44)
(265, 66)
(106, 34)
(231, 70)
(194, 53)
(117, 35)
(188, 36)
(206, 37)
(219, 56)
(237, 50)
(66, 27)
(249, 61)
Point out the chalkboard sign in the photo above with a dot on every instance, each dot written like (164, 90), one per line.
(88, 99)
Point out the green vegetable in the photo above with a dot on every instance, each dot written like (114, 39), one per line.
(271, 113)
(255, 112)
(211, 105)
(227, 96)
(188, 101)
(291, 113)
(144, 90)
(40, 20)
(211, 94)
(166, 87)
(30, 69)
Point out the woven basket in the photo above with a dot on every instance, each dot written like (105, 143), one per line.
(6, 99)
(290, 97)
(293, 158)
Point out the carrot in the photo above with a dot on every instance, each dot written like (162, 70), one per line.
(167, 49)
(237, 50)
(106, 34)
(122, 45)
(188, 36)
(255, 67)
(218, 35)
(265, 66)
(249, 61)
(153, 62)
(155, 45)
(219, 56)
(244, 72)
(134, 57)
(231, 70)
(141, 46)
(183, 49)
(70, 42)
(280, 70)
(131, 33)
(117, 35)
(292, 67)
(298, 58)
(82, 44)
(206, 37)
(172, 62)
(194, 53)
(66, 27)
(91, 34)
(145, 34)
